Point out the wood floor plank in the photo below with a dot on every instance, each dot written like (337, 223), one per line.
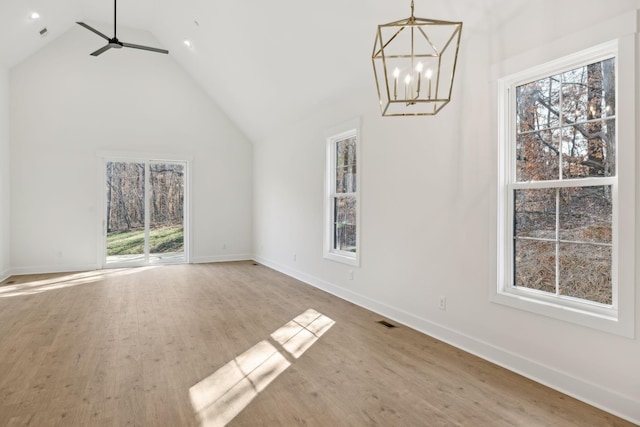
(129, 347)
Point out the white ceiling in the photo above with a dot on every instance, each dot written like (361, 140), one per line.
(264, 63)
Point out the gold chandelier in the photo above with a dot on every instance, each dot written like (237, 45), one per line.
(414, 62)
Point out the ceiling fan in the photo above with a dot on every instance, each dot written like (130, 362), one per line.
(114, 42)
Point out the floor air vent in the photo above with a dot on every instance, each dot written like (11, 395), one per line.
(387, 324)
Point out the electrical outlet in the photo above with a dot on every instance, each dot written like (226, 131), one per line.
(350, 274)
(442, 303)
(294, 257)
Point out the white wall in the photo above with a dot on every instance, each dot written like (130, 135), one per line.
(66, 106)
(429, 218)
(4, 174)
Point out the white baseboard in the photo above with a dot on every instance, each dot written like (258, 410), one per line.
(95, 266)
(53, 269)
(4, 275)
(608, 400)
(221, 258)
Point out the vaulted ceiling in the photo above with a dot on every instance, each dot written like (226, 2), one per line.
(264, 63)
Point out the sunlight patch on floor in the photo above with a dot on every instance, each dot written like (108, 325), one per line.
(220, 397)
(60, 282)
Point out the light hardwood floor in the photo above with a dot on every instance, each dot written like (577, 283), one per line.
(125, 347)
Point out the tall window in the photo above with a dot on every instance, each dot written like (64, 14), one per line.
(559, 199)
(561, 191)
(341, 218)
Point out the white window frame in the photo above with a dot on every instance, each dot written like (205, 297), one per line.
(350, 129)
(617, 318)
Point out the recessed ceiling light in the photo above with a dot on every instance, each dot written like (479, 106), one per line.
(34, 16)
(188, 44)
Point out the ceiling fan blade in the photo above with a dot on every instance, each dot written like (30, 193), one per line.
(82, 24)
(137, 46)
(101, 50)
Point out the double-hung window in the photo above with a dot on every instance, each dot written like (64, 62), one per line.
(559, 198)
(342, 199)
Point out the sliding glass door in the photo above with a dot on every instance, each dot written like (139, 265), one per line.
(144, 216)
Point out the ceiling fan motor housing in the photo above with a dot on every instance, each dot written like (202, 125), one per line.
(114, 43)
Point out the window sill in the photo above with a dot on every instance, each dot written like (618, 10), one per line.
(596, 317)
(344, 258)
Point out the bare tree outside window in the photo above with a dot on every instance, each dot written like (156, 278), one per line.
(344, 201)
(565, 135)
(125, 208)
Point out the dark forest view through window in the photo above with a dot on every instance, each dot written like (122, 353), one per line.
(344, 203)
(562, 195)
(127, 222)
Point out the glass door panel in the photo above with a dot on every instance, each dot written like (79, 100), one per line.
(125, 212)
(166, 212)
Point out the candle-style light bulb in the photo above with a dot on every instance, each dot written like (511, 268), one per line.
(396, 74)
(419, 77)
(429, 74)
(407, 86)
